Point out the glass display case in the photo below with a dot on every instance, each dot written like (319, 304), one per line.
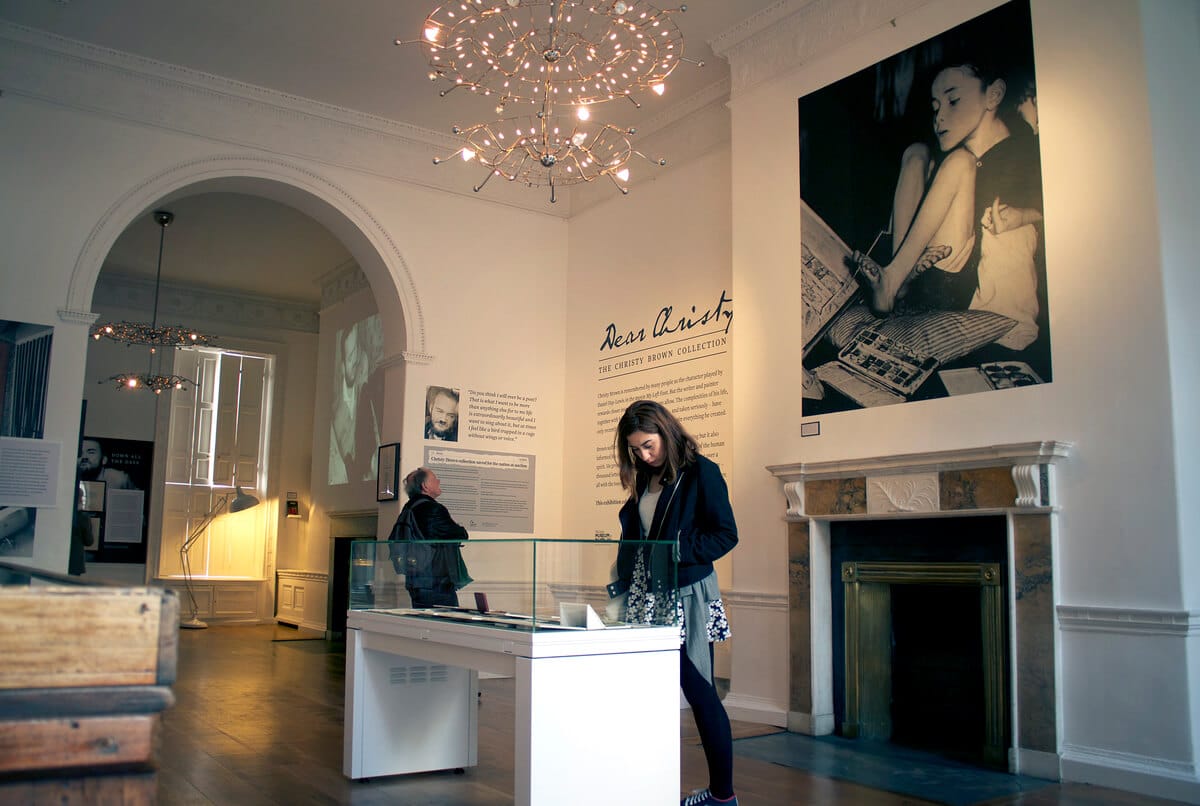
(535, 610)
(518, 584)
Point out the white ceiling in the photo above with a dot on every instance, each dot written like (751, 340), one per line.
(231, 241)
(338, 53)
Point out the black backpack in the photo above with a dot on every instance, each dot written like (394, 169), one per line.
(414, 560)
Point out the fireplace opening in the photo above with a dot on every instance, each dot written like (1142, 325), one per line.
(937, 701)
(919, 634)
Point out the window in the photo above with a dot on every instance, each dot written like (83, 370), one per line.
(217, 442)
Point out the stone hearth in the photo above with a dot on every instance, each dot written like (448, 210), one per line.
(1015, 482)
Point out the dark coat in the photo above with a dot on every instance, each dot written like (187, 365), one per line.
(694, 511)
(434, 520)
(427, 566)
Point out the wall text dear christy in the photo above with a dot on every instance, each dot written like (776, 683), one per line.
(667, 323)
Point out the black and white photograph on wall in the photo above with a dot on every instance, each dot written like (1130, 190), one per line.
(922, 226)
(441, 413)
(112, 476)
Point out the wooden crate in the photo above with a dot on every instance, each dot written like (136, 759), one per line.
(84, 674)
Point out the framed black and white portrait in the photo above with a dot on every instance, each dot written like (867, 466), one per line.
(388, 483)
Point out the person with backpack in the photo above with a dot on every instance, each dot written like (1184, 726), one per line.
(432, 572)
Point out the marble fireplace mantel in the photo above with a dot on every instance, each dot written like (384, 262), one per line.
(1000, 477)
(1015, 482)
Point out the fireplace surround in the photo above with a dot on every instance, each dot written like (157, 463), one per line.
(1015, 482)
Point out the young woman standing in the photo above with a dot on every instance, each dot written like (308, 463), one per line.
(677, 494)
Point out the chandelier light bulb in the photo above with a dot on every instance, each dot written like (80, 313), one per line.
(659, 88)
(623, 174)
(583, 113)
(468, 155)
(431, 34)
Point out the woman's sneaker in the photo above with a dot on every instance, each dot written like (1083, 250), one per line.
(705, 798)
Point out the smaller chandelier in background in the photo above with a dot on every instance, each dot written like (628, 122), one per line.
(152, 335)
(131, 333)
(149, 380)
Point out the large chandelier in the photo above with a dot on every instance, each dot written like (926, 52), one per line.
(550, 56)
(550, 150)
(152, 335)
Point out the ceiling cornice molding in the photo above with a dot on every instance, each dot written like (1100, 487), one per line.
(417, 359)
(179, 78)
(792, 33)
(191, 303)
(87, 78)
(705, 127)
(755, 24)
(77, 317)
(340, 282)
(674, 114)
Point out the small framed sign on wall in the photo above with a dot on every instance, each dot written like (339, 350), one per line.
(388, 483)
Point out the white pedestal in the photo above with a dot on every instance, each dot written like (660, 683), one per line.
(584, 700)
(420, 716)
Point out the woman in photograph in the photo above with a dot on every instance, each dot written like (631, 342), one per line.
(988, 182)
(677, 494)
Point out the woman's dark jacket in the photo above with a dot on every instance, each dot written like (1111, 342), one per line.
(694, 510)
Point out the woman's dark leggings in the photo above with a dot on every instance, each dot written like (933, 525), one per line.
(711, 722)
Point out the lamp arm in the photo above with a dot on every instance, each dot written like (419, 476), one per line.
(204, 522)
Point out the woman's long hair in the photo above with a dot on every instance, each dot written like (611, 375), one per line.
(652, 418)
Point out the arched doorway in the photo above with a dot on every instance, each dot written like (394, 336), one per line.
(262, 185)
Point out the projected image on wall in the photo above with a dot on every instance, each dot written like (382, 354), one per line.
(357, 402)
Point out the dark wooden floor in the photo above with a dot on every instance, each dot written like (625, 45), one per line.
(259, 721)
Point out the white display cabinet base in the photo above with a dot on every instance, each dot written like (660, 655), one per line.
(422, 715)
(597, 729)
(596, 711)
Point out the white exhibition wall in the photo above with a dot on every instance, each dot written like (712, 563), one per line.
(628, 262)
(1118, 540)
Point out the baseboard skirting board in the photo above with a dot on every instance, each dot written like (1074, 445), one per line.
(755, 709)
(810, 725)
(1037, 764)
(1141, 774)
(319, 626)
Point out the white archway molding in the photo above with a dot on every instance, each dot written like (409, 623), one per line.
(326, 202)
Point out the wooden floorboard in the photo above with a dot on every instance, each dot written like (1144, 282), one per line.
(259, 721)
